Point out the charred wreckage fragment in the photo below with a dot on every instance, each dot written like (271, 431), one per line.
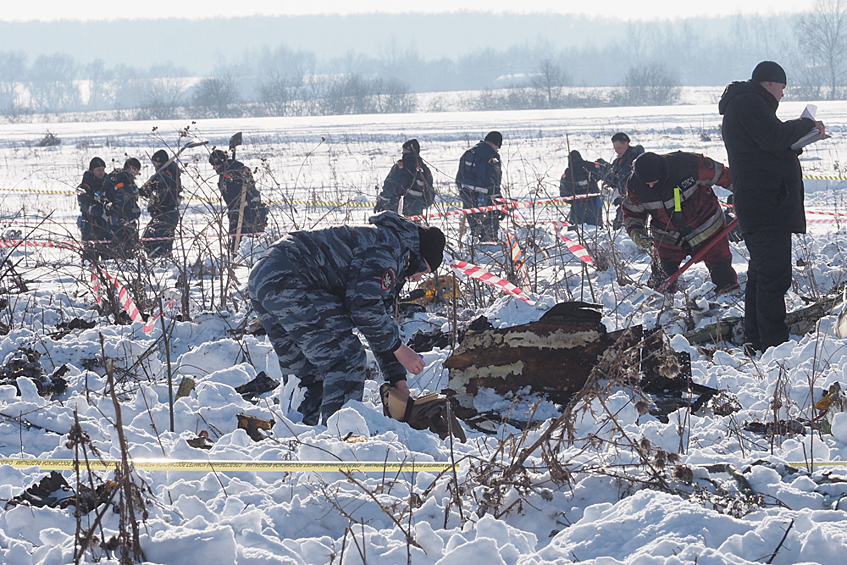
(555, 356)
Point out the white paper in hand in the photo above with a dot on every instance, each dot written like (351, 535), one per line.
(810, 112)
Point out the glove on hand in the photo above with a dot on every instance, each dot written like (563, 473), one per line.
(641, 238)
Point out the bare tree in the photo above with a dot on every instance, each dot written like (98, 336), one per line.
(12, 71)
(277, 94)
(651, 85)
(51, 85)
(822, 37)
(217, 97)
(99, 96)
(549, 82)
(161, 97)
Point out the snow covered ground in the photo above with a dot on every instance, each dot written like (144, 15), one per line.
(627, 488)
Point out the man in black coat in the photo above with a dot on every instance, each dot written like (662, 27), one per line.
(410, 180)
(122, 206)
(93, 220)
(162, 192)
(580, 179)
(247, 213)
(478, 180)
(619, 172)
(768, 194)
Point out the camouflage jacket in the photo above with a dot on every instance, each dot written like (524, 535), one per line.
(365, 266)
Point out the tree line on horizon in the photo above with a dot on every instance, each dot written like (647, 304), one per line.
(646, 67)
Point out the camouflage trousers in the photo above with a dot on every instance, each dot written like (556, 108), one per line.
(312, 334)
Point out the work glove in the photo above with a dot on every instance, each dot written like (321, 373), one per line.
(641, 238)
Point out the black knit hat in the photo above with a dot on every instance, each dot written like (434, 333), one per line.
(96, 162)
(649, 167)
(495, 137)
(431, 245)
(132, 162)
(160, 156)
(217, 157)
(413, 146)
(768, 71)
(620, 137)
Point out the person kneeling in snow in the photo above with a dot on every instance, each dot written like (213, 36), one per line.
(675, 191)
(314, 288)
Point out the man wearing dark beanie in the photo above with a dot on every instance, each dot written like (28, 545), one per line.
(93, 221)
(675, 192)
(432, 246)
(478, 181)
(410, 180)
(768, 194)
(314, 288)
(162, 192)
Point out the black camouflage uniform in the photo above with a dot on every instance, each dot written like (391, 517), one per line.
(478, 180)
(409, 179)
(162, 192)
(233, 179)
(314, 288)
(122, 206)
(93, 221)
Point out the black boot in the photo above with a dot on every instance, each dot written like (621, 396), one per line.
(723, 275)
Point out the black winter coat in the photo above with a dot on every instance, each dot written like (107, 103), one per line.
(480, 170)
(162, 191)
(122, 193)
(234, 179)
(766, 175)
(621, 168)
(90, 197)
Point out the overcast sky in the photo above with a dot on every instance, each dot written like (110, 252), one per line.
(48, 10)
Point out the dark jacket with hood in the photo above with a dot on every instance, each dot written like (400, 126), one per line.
(122, 193)
(480, 170)
(364, 266)
(162, 190)
(766, 174)
(409, 178)
(580, 176)
(90, 196)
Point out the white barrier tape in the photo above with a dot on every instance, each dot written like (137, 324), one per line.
(473, 271)
(575, 248)
(224, 465)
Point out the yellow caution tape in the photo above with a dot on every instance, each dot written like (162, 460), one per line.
(824, 177)
(224, 465)
(39, 191)
(818, 463)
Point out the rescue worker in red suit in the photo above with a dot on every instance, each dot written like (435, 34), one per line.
(675, 192)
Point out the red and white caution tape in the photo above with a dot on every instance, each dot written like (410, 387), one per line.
(503, 206)
(125, 299)
(575, 248)
(149, 325)
(29, 243)
(473, 271)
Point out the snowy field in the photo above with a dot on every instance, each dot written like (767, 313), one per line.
(626, 487)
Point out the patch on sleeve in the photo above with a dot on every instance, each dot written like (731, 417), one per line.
(388, 278)
(710, 164)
